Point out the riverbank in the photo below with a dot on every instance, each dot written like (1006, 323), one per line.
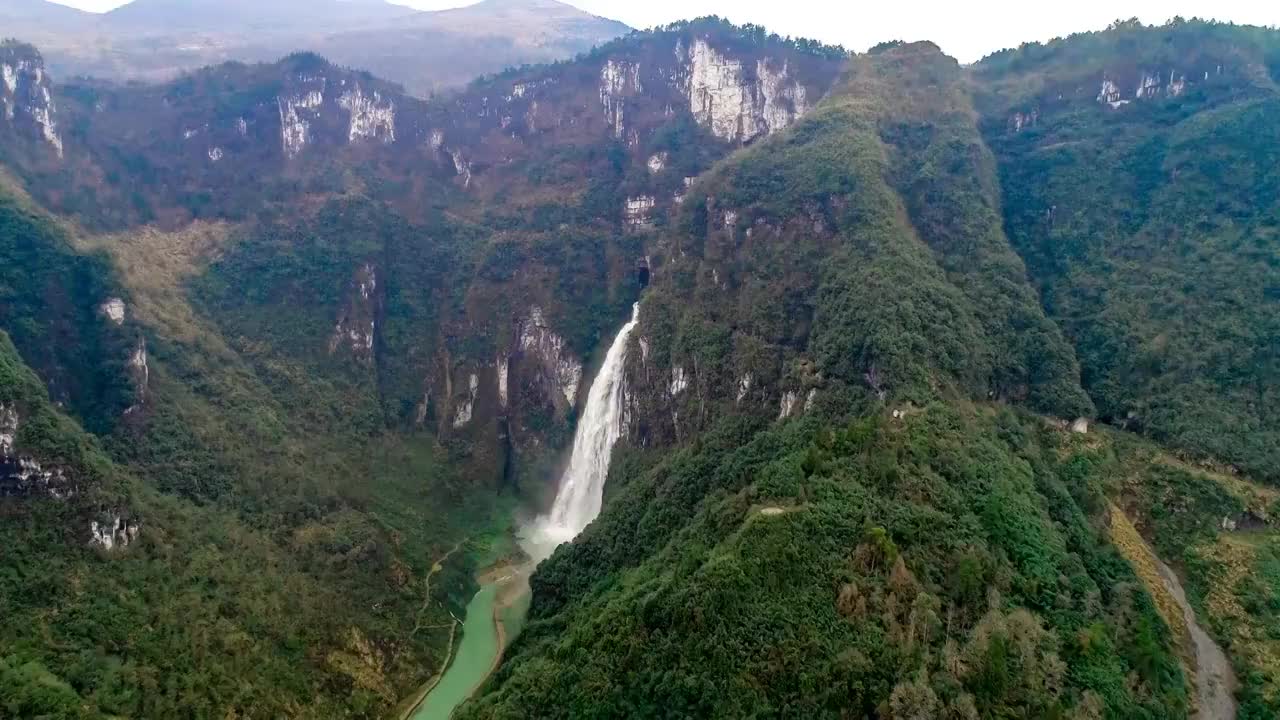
(494, 618)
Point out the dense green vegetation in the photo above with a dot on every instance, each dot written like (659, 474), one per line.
(284, 547)
(941, 566)
(49, 304)
(937, 563)
(1151, 229)
(819, 260)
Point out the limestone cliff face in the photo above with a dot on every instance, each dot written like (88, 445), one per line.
(243, 141)
(675, 386)
(26, 98)
(357, 326)
(543, 351)
(227, 134)
(739, 103)
(22, 475)
(319, 99)
(1120, 81)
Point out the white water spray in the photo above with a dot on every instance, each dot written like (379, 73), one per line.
(582, 485)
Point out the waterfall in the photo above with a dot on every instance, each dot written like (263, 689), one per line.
(582, 485)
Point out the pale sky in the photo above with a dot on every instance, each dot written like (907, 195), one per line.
(966, 30)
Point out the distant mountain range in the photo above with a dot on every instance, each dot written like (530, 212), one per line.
(424, 51)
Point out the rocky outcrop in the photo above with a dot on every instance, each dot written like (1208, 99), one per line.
(619, 80)
(1109, 94)
(1020, 120)
(544, 349)
(679, 381)
(737, 105)
(357, 324)
(372, 116)
(114, 310)
(462, 167)
(298, 110)
(465, 410)
(8, 429)
(22, 475)
(504, 378)
(113, 531)
(1150, 85)
(26, 101)
(787, 405)
(139, 376)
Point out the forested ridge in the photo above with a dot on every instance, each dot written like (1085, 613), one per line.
(910, 340)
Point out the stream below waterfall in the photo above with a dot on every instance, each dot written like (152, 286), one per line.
(496, 613)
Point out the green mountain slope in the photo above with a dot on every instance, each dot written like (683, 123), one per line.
(884, 555)
(156, 607)
(1151, 227)
(281, 557)
(940, 566)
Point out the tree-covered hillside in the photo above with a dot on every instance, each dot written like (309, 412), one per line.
(281, 552)
(1150, 226)
(897, 553)
(941, 565)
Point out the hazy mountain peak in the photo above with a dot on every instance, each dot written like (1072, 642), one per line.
(424, 51)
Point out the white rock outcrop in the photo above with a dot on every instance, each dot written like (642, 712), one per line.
(504, 372)
(619, 79)
(735, 107)
(744, 387)
(788, 404)
(26, 96)
(463, 168)
(657, 162)
(1022, 120)
(25, 476)
(679, 381)
(1150, 86)
(140, 373)
(113, 532)
(1109, 94)
(466, 409)
(357, 325)
(780, 100)
(8, 429)
(539, 342)
(113, 309)
(372, 117)
(297, 110)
